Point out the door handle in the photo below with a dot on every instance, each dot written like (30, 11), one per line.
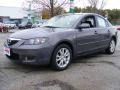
(96, 32)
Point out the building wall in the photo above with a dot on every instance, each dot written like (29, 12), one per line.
(11, 14)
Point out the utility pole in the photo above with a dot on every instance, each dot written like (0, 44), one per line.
(71, 6)
(29, 10)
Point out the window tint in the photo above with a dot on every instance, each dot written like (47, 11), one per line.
(89, 20)
(101, 22)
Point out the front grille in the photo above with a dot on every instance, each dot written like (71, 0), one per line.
(12, 41)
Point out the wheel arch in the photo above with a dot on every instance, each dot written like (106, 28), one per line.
(66, 42)
(114, 38)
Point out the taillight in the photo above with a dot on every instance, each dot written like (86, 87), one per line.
(118, 28)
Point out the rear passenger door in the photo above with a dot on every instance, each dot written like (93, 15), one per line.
(102, 32)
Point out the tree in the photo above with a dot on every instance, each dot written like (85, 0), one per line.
(45, 14)
(57, 11)
(50, 5)
(77, 10)
(114, 15)
(97, 4)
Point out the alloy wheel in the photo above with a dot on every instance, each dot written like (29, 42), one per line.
(112, 46)
(63, 57)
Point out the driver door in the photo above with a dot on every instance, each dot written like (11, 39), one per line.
(86, 36)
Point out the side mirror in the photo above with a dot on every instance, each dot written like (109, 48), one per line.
(84, 25)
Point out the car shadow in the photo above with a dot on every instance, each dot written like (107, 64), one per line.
(23, 68)
(34, 68)
(31, 68)
(88, 58)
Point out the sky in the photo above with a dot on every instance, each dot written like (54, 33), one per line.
(111, 4)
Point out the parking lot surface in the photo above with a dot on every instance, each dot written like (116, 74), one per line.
(93, 72)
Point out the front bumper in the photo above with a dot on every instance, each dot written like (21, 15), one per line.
(30, 54)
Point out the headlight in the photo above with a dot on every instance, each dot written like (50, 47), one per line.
(35, 41)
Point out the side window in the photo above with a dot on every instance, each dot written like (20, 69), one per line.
(89, 20)
(101, 22)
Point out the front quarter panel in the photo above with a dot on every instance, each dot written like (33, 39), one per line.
(63, 36)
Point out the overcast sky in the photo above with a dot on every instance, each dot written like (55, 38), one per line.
(19, 3)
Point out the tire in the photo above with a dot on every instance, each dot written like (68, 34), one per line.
(111, 47)
(9, 57)
(59, 61)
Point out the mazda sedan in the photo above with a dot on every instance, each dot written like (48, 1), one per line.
(61, 39)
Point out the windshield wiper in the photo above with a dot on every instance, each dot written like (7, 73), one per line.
(50, 26)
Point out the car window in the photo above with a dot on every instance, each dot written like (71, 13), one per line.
(23, 23)
(101, 22)
(89, 20)
(29, 23)
(62, 21)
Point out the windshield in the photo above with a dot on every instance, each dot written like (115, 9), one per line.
(63, 21)
(23, 23)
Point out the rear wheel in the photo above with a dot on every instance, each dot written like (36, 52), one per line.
(62, 57)
(111, 48)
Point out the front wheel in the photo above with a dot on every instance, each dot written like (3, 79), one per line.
(111, 48)
(62, 57)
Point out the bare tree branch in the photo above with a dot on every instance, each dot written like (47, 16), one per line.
(93, 3)
(41, 3)
(63, 3)
(103, 4)
(98, 4)
(51, 4)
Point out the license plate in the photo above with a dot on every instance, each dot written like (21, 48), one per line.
(7, 51)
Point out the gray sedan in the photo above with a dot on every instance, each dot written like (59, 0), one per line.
(61, 39)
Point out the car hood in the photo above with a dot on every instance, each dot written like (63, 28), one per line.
(35, 32)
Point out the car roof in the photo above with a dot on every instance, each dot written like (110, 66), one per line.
(84, 14)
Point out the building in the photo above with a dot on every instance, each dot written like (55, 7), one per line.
(15, 14)
(12, 14)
